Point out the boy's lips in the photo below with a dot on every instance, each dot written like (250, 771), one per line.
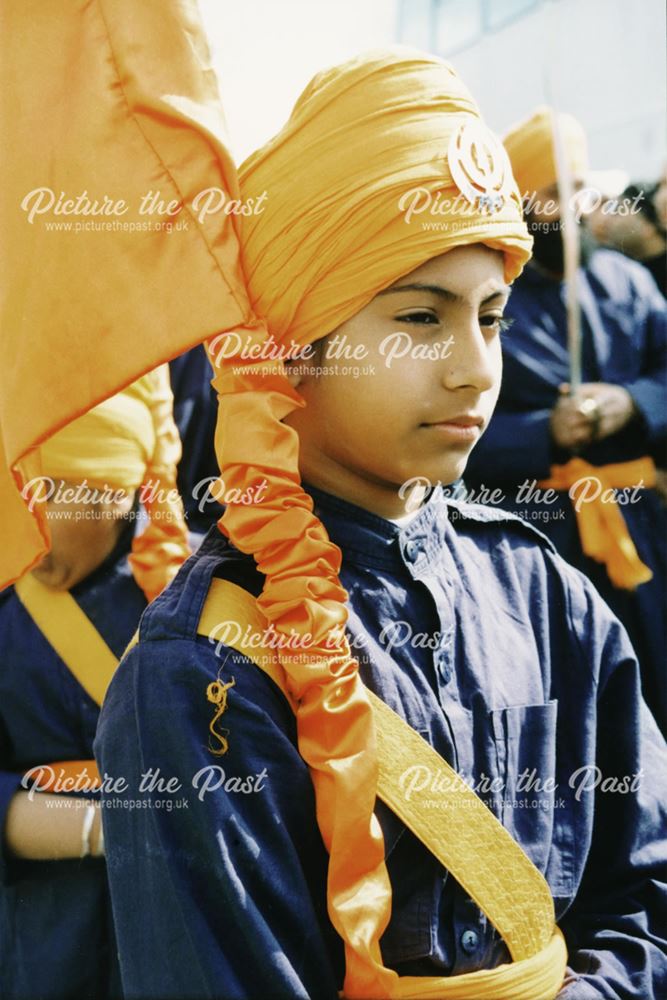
(464, 427)
(463, 420)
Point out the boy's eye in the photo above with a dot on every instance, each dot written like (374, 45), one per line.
(495, 323)
(419, 316)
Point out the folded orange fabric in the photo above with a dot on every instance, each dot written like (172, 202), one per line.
(602, 528)
(117, 100)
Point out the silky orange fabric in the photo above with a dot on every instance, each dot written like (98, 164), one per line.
(530, 146)
(110, 445)
(339, 180)
(362, 139)
(106, 98)
(602, 528)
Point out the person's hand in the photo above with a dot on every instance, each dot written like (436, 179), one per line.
(595, 411)
(614, 407)
(570, 426)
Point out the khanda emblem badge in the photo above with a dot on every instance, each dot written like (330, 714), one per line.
(479, 166)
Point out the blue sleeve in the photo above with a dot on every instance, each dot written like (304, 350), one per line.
(219, 892)
(649, 390)
(10, 782)
(616, 927)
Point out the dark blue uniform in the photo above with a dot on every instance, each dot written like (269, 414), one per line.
(504, 658)
(56, 933)
(624, 342)
(195, 415)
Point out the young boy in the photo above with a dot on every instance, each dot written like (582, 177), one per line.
(63, 628)
(251, 848)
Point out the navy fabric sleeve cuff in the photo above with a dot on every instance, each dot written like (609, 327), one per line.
(10, 782)
(649, 397)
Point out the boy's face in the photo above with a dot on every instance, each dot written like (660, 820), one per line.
(424, 367)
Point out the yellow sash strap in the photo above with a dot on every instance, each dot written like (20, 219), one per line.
(71, 633)
(463, 834)
(602, 528)
(84, 652)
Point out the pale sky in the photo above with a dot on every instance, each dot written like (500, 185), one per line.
(606, 59)
(266, 51)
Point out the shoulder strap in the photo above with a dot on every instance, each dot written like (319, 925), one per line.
(461, 831)
(71, 633)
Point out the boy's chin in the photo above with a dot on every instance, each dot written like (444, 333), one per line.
(445, 473)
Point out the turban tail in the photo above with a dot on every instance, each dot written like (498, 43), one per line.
(127, 442)
(530, 147)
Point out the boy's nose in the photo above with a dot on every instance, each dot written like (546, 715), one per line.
(473, 362)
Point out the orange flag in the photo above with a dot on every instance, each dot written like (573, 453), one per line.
(119, 248)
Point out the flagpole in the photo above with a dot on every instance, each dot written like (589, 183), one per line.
(569, 226)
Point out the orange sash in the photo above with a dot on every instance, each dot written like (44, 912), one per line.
(602, 529)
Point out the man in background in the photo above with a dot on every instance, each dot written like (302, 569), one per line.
(581, 464)
(640, 234)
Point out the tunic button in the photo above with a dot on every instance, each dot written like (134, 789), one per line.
(412, 551)
(469, 941)
(443, 666)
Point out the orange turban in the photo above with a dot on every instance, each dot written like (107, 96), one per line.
(530, 146)
(352, 179)
(111, 445)
(340, 223)
(126, 442)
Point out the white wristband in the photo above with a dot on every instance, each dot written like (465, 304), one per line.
(99, 852)
(88, 820)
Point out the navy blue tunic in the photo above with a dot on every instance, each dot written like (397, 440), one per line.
(56, 934)
(624, 340)
(470, 626)
(195, 414)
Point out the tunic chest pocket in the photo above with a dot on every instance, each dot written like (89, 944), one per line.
(532, 809)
